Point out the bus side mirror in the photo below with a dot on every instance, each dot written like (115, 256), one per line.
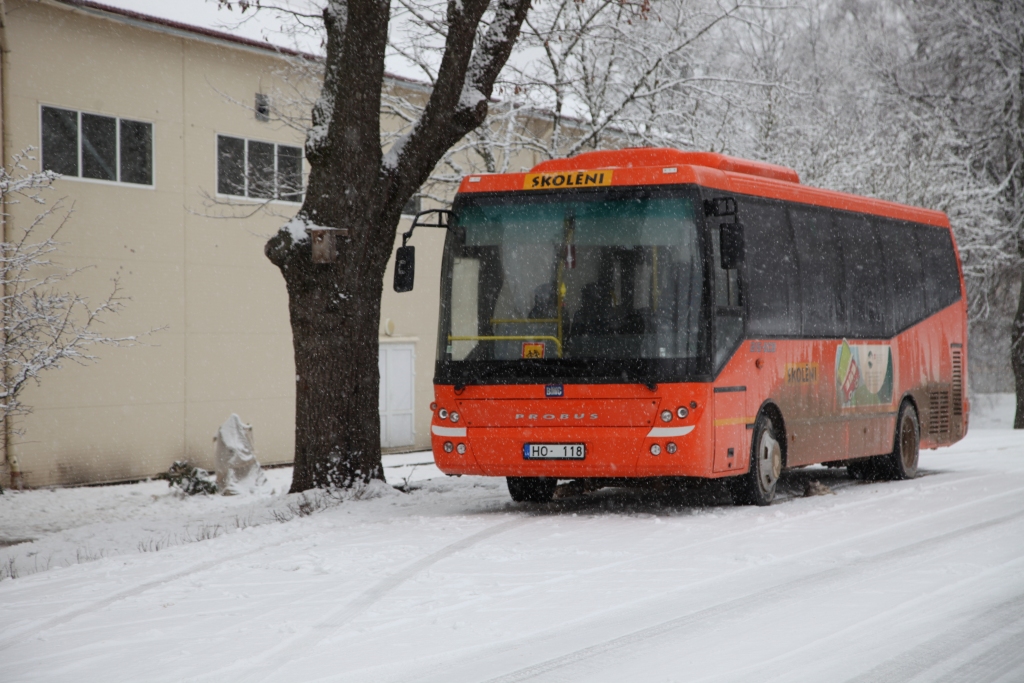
(731, 240)
(405, 268)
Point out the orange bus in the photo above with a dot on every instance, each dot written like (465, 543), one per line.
(626, 315)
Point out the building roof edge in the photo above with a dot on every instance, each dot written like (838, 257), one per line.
(132, 17)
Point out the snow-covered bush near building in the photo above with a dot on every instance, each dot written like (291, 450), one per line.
(188, 479)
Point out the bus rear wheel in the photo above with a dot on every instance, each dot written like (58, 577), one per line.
(901, 463)
(531, 489)
(757, 487)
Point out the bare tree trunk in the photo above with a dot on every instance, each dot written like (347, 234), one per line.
(1017, 358)
(335, 307)
(335, 313)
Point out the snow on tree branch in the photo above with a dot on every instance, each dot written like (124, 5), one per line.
(44, 325)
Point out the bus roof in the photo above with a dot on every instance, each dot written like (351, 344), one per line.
(662, 166)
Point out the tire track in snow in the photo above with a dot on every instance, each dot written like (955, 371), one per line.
(350, 610)
(838, 508)
(996, 660)
(994, 665)
(372, 595)
(378, 591)
(66, 617)
(138, 589)
(356, 606)
(742, 605)
(773, 668)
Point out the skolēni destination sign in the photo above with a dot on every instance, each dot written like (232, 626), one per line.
(551, 181)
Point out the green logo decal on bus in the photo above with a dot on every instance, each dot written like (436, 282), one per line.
(863, 374)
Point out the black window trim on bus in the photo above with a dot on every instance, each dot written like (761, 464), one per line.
(708, 223)
(646, 371)
(877, 224)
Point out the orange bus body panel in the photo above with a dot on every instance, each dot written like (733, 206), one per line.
(618, 423)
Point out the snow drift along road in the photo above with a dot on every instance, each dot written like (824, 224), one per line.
(920, 580)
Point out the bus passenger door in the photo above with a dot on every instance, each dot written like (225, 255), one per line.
(730, 392)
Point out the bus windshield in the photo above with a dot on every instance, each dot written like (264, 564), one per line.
(564, 279)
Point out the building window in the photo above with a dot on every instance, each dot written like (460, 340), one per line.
(260, 170)
(82, 145)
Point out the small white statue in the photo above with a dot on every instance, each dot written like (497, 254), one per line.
(238, 471)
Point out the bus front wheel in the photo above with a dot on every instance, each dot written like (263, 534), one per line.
(531, 489)
(757, 487)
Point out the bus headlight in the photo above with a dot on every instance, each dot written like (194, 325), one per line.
(670, 448)
(448, 447)
(455, 417)
(461, 448)
(666, 416)
(655, 449)
(443, 414)
(682, 412)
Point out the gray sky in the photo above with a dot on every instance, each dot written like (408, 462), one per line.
(262, 26)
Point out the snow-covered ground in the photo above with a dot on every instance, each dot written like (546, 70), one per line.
(992, 411)
(920, 580)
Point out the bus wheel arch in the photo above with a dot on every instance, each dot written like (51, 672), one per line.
(759, 484)
(902, 461)
(774, 413)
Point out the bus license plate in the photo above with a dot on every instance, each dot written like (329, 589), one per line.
(554, 451)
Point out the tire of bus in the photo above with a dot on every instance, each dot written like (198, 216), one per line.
(531, 489)
(901, 463)
(757, 486)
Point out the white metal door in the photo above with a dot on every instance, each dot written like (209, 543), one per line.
(397, 383)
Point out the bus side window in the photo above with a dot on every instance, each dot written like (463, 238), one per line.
(903, 263)
(821, 272)
(868, 301)
(942, 278)
(772, 283)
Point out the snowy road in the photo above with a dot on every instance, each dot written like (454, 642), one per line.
(902, 581)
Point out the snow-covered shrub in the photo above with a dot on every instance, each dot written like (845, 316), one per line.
(189, 479)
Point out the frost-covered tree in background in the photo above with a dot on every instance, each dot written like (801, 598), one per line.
(353, 184)
(44, 325)
(847, 94)
(965, 77)
(585, 74)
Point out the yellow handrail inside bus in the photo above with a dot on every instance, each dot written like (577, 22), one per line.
(509, 337)
(521, 321)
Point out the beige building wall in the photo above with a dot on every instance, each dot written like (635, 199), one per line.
(222, 342)
(195, 275)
